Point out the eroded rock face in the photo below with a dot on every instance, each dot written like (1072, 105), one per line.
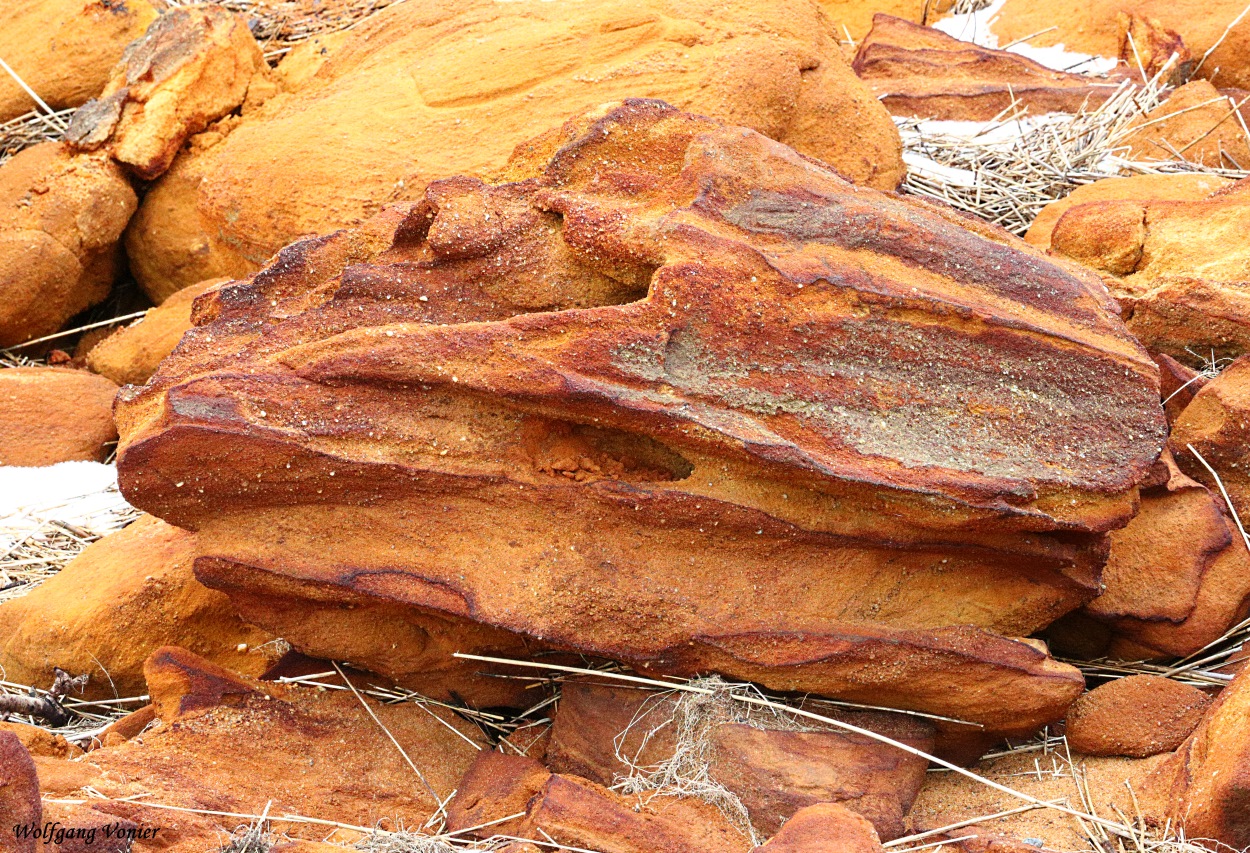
(61, 217)
(922, 72)
(774, 766)
(64, 49)
(193, 66)
(683, 397)
(426, 90)
(822, 827)
(1197, 123)
(19, 793)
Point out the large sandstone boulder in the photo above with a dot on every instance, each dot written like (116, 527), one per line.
(425, 90)
(684, 397)
(193, 66)
(61, 217)
(921, 72)
(52, 414)
(117, 602)
(1178, 268)
(1099, 28)
(823, 827)
(64, 49)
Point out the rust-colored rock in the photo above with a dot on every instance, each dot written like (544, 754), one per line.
(1182, 268)
(40, 741)
(193, 66)
(1206, 783)
(1183, 186)
(54, 414)
(61, 217)
(922, 72)
(425, 90)
(1137, 716)
(223, 743)
(774, 766)
(685, 398)
(64, 49)
(1198, 124)
(130, 355)
(119, 600)
(576, 812)
(1217, 425)
(1178, 383)
(19, 796)
(822, 828)
(1100, 27)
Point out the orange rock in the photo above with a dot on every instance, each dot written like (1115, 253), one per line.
(1137, 716)
(1181, 266)
(193, 66)
(52, 414)
(40, 741)
(1206, 783)
(226, 744)
(646, 441)
(1217, 425)
(578, 813)
(922, 72)
(1178, 384)
(61, 216)
(1198, 124)
(419, 92)
(853, 19)
(774, 771)
(1184, 186)
(822, 828)
(19, 796)
(1099, 27)
(114, 604)
(130, 355)
(64, 49)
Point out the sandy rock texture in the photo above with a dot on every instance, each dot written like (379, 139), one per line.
(823, 827)
(626, 379)
(921, 72)
(53, 414)
(1179, 268)
(193, 66)
(1197, 123)
(1206, 783)
(1099, 27)
(426, 90)
(117, 602)
(774, 765)
(61, 219)
(64, 49)
(130, 355)
(1137, 716)
(211, 747)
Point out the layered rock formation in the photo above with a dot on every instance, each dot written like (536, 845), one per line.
(681, 397)
(425, 90)
(64, 49)
(61, 218)
(192, 67)
(922, 72)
